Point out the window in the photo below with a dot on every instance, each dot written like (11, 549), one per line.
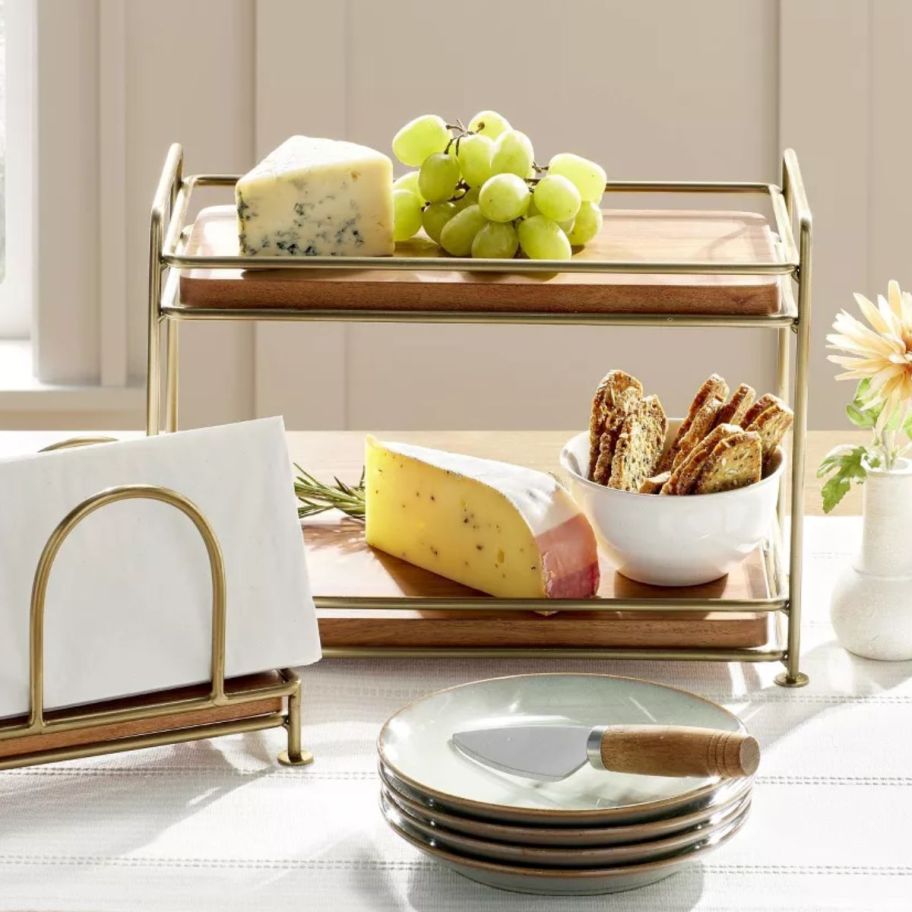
(16, 153)
(2, 141)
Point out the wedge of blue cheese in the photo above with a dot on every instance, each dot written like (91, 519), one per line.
(317, 197)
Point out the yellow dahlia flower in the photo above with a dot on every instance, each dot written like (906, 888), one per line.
(880, 352)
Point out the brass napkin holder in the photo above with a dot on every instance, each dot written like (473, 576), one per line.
(254, 703)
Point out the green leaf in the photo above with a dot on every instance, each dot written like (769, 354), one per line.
(844, 465)
(859, 411)
(861, 418)
(833, 491)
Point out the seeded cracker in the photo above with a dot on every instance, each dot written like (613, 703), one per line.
(604, 404)
(735, 462)
(639, 445)
(625, 403)
(653, 484)
(714, 388)
(772, 424)
(703, 422)
(735, 409)
(684, 476)
(759, 407)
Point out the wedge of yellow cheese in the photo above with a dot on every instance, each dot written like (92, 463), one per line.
(506, 530)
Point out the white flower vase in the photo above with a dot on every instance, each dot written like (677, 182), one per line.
(872, 602)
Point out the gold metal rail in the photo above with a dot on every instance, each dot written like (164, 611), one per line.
(559, 652)
(789, 207)
(598, 606)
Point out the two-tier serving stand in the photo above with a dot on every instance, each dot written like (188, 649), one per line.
(791, 265)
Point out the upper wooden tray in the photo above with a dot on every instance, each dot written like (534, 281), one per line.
(647, 235)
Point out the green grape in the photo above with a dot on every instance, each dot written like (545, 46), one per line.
(469, 198)
(409, 181)
(420, 138)
(496, 241)
(438, 176)
(474, 155)
(566, 226)
(406, 214)
(542, 239)
(459, 232)
(504, 197)
(434, 217)
(588, 176)
(587, 225)
(489, 123)
(512, 154)
(556, 198)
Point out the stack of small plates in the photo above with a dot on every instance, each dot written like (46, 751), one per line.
(593, 832)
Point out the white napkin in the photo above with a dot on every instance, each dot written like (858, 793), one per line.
(129, 600)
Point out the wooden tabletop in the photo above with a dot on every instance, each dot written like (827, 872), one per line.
(341, 453)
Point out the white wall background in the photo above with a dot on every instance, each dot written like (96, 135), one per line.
(654, 89)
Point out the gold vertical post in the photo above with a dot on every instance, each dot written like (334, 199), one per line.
(153, 343)
(172, 338)
(783, 355)
(294, 755)
(163, 202)
(792, 676)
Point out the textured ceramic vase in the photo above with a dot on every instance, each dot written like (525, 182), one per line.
(872, 602)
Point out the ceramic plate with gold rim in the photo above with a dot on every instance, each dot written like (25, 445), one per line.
(565, 881)
(563, 857)
(424, 809)
(415, 746)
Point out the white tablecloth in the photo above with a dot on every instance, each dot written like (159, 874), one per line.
(217, 825)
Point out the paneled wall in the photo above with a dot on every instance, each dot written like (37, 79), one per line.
(653, 89)
(638, 87)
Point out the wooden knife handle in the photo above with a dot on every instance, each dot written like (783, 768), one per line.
(674, 750)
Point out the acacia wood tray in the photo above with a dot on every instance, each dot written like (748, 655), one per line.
(341, 565)
(72, 738)
(647, 235)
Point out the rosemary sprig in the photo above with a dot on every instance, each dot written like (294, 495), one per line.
(317, 497)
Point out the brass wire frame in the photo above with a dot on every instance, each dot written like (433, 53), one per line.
(788, 201)
(85, 717)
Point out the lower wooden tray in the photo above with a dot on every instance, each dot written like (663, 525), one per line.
(342, 565)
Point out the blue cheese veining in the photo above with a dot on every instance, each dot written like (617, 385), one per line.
(317, 197)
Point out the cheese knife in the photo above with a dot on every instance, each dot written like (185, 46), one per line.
(554, 752)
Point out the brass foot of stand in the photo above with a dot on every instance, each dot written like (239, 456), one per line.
(799, 679)
(302, 759)
(294, 755)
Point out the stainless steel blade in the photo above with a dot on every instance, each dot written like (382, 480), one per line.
(546, 752)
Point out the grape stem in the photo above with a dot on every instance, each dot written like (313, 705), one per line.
(462, 185)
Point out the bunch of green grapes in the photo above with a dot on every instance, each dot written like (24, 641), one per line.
(478, 192)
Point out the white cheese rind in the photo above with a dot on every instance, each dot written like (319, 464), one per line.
(317, 197)
(538, 497)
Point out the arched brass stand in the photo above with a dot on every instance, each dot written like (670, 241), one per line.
(154, 719)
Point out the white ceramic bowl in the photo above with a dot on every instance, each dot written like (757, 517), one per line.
(672, 541)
